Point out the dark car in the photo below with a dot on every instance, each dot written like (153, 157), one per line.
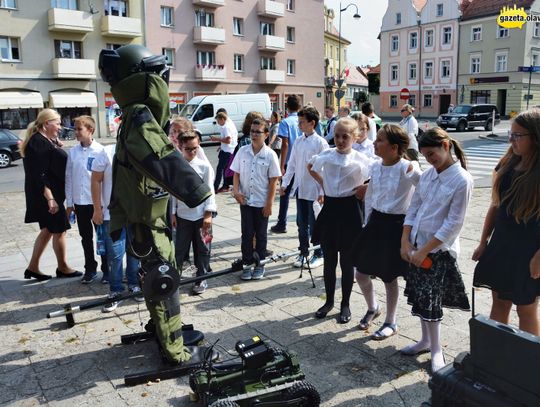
(469, 116)
(9, 148)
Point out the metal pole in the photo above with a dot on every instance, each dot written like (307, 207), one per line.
(339, 61)
(529, 88)
(419, 66)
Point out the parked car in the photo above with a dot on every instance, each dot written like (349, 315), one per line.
(469, 116)
(9, 148)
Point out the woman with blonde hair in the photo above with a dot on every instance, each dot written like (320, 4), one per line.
(44, 186)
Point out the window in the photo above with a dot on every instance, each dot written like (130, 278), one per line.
(428, 70)
(394, 72)
(167, 16)
(393, 100)
(267, 28)
(535, 59)
(67, 49)
(447, 35)
(412, 71)
(9, 49)
(291, 34)
(413, 40)
(291, 67)
(66, 4)
(16, 118)
(536, 30)
(445, 69)
(427, 100)
(169, 54)
(475, 64)
(268, 63)
(116, 8)
(412, 100)
(204, 19)
(440, 10)
(112, 46)
(238, 26)
(238, 65)
(480, 96)
(501, 62)
(206, 58)
(398, 18)
(290, 5)
(429, 38)
(476, 33)
(394, 46)
(502, 32)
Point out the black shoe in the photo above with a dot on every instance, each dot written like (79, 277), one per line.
(325, 309)
(278, 229)
(28, 274)
(73, 274)
(344, 314)
(198, 355)
(88, 277)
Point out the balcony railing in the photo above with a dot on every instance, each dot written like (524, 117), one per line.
(208, 35)
(209, 3)
(73, 21)
(64, 68)
(270, 76)
(211, 73)
(271, 9)
(271, 43)
(115, 26)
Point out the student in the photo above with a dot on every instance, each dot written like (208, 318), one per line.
(194, 224)
(331, 119)
(431, 234)
(339, 171)
(256, 171)
(304, 187)
(363, 144)
(509, 251)
(376, 252)
(228, 140)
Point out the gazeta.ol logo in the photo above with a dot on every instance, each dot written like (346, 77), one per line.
(515, 17)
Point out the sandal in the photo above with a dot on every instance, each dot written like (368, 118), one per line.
(378, 335)
(365, 322)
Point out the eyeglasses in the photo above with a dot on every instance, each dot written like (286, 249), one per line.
(404, 110)
(257, 132)
(190, 149)
(516, 136)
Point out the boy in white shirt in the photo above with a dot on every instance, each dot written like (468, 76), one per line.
(256, 171)
(228, 140)
(305, 187)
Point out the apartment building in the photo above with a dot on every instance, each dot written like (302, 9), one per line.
(48, 56)
(419, 52)
(490, 57)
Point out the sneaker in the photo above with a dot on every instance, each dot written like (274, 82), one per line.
(105, 279)
(199, 287)
(258, 273)
(112, 305)
(298, 261)
(278, 229)
(88, 277)
(137, 289)
(315, 261)
(246, 274)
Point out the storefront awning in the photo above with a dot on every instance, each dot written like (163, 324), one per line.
(72, 99)
(20, 100)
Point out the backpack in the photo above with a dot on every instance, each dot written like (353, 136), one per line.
(420, 133)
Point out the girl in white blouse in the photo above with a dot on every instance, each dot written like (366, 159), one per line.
(377, 250)
(339, 171)
(430, 240)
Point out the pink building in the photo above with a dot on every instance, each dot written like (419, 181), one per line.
(232, 46)
(419, 52)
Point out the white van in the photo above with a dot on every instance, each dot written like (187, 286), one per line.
(201, 110)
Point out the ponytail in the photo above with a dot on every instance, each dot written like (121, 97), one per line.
(43, 117)
(435, 137)
(30, 131)
(460, 154)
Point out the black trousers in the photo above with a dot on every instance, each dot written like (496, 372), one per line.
(84, 215)
(188, 231)
(253, 224)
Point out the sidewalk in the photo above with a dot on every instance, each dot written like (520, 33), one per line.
(42, 362)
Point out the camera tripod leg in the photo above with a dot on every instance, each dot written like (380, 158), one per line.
(305, 261)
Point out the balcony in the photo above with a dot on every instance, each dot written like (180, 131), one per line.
(271, 43)
(270, 76)
(209, 3)
(211, 73)
(271, 9)
(208, 35)
(126, 27)
(67, 68)
(329, 81)
(73, 21)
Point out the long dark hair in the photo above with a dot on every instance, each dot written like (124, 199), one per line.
(435, 136)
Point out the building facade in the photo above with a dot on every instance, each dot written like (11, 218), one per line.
(419, 53)
(490, 57)
(357, 83)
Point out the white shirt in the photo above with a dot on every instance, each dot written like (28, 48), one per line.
(304, 149)
(205, 171)
(410, 125)
(229, 130)
(254, 171)
(341, 173)
(391, 187)
(78, 171)
(372, 132)
(103, 163)
(366, 147)
(438, 207)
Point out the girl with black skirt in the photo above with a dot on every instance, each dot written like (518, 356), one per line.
(430, 240)
(376, 251)
(509, 252)
(340, 171)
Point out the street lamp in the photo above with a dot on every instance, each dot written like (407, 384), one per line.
(418, 6)
(339, 94)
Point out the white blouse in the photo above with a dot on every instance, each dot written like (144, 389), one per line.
(341, 173)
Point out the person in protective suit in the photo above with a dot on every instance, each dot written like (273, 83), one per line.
(146, 169)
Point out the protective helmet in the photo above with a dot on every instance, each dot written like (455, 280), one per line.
(118, 64)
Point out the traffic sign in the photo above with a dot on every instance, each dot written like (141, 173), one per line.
(340, 93)
(532, 68)
(404, 94)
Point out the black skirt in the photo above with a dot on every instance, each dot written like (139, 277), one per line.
(339, 223)
(376, 251)
(428, 291)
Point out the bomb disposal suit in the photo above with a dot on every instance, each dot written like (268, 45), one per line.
(146, 169)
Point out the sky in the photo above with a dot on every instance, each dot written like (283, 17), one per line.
(363, 33)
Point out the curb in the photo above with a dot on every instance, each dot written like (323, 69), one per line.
(497, 138)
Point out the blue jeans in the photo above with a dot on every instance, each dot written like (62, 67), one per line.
(115, 255)
(305, 220)
(284, 206)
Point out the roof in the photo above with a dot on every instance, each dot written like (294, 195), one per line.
(374, 70)
(484, 8)
(355, 77)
